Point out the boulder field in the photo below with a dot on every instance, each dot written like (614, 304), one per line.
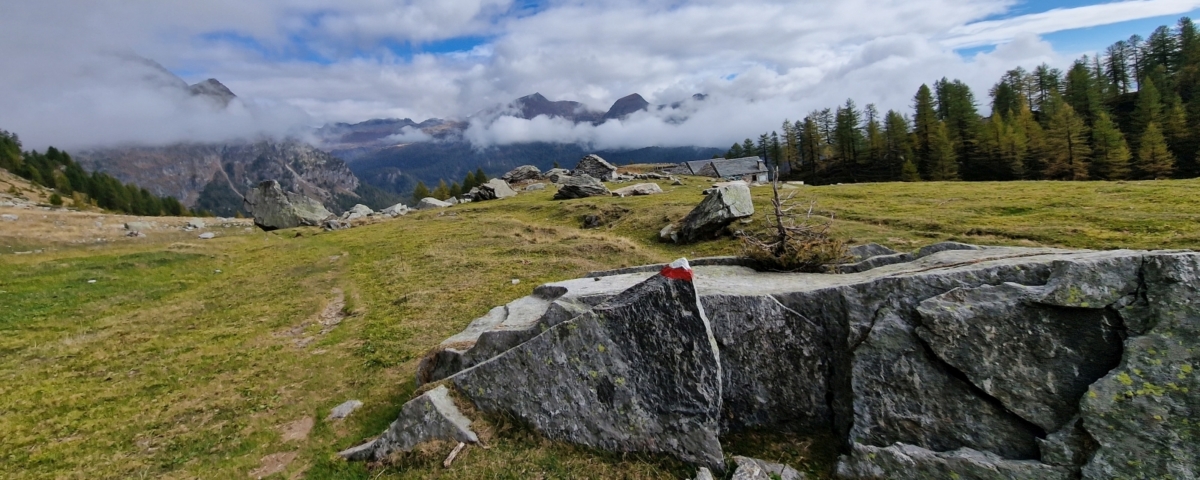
(955, 361)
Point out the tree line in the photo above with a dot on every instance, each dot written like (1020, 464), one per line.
(455, 189)
(56, 170)
(1132, 112)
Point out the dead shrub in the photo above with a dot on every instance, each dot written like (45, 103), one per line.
(795, 242)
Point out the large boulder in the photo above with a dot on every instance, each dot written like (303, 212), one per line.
(595, 167)
(429, 417)
(429, 203)
(396, 210)
(522, 173)
(720, 208)
(639, 189)
(639, 373)
(358, 211)
(965, 362)
(273, 209)
(581, 186)
(492, 190)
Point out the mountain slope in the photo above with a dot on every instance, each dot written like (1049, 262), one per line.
(214, 176)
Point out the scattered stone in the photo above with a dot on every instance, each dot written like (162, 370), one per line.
(591, 221)
(581, 186)
(638, 373)
(358, 211)
(344, 410)
(556, 175)
(677, 183)
(335, 224)
(396, 210)
(522, 173)
(298, 430)
(274, 209)
(428, 203)
(907, 462)
(208, 236)
(639, 189)
(431, 416)
(595, 167)
(754, 469)
(712, 215)
(535, 187)
(138, 226)
(516, 281)
(196, 224)
(273, 464)
(135, 234)
(494, 189)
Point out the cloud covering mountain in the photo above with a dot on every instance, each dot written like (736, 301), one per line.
(295, 64)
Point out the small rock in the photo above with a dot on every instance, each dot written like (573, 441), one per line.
(591, 221)
(138, 226)
(431, 416)
(208, 236)
(557, 175)
(344, 410)
(704, 474)
(335, 224)
(195, 223)
(396, 210)
(8, 217)
(639, 189)
(754, 469)
(535, 187)
(430, 203)
(91, 281)
(516, 281)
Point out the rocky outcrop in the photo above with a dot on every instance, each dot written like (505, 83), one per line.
(980, 362)
(638, 373)
(494, 189)
(273, 209)
(595, 167)
(639, 189)
(522, 173)
(581, 186)
(1145, 414)
(907, 462)
(712, 215)
(431, 416)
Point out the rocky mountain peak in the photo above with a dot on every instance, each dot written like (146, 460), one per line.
(625, 106)
(213, 89)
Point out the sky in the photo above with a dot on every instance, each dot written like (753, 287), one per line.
(73, 77)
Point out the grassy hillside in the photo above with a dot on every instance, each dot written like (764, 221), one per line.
(189, 359)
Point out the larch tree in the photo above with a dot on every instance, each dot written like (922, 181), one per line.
(1154, 159)
(1110, 154)
(943, 165)
(924, 127)
(898, 151)
(1067, 150)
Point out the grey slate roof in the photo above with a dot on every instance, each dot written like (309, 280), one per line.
(727, 167)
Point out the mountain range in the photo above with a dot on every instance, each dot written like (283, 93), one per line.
(375, 162)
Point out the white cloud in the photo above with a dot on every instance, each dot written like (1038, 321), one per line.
(760, 60)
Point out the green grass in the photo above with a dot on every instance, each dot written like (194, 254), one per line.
(181, 361)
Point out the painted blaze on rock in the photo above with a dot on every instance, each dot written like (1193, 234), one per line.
(639, 373)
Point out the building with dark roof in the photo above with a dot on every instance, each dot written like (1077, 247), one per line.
(750, 169)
